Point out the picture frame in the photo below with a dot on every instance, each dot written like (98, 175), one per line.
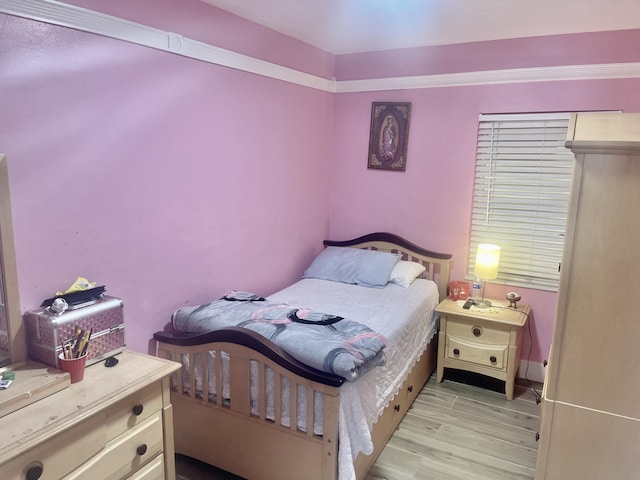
(389, 135)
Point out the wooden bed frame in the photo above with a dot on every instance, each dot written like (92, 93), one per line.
(225, 433)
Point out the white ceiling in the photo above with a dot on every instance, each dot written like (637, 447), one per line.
(349, 26)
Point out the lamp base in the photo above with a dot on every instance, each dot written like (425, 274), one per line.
(482, 303)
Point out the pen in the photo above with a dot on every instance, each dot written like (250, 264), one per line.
(77, 343)
(80, 344)
(86, 342)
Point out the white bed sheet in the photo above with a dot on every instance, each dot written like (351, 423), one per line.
(382, 309)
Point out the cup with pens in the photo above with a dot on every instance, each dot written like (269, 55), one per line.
(73, 358)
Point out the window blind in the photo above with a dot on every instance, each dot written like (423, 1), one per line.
(521, 195)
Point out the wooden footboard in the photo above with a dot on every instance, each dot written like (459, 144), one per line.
(225, 431)
(242, 430)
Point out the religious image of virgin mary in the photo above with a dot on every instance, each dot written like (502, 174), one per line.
(388, 139)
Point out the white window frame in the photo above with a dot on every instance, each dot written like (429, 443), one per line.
(521, 195)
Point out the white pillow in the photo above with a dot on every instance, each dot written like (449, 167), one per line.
(404, 272)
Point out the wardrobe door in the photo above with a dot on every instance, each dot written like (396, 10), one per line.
(598, 358)
(590, 445)
(590, 424)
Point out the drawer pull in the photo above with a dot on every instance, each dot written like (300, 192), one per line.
(477, 331)
(137, 409)
(537, 436)
(34, 472)
(493, 359)
(142, 449)
(456, 351)
(396, 407)
(410, 388)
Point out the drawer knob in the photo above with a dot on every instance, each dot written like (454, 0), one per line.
(142, 449)
(410, 388)
(477, 331)
(396, 407)
(493, 359)
(537, 436)
(137, 409)
(456, 351)
(34, 472)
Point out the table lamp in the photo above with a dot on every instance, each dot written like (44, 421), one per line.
(486, 268)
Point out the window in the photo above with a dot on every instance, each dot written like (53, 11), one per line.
(521, 195)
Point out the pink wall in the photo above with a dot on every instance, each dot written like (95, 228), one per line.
(430, 203)
(168, 180)
(171, 180)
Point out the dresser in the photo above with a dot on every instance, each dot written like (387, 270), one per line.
(590, 420)
(481, 340)
(115, 424)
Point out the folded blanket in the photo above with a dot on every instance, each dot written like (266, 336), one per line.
(325, 342)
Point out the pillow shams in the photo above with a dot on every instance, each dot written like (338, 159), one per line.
(404, 272)
(353, 265)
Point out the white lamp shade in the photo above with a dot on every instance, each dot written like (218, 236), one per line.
(487, 261)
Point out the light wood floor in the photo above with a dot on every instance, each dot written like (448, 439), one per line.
(458, 431)
(452, 431)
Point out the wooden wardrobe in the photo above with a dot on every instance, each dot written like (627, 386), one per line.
(590, 422)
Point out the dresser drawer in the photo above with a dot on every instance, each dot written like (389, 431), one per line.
(152, 471)
(488, 355)
(61, 455)
(477, 333)
(126, 454)
(133, 410)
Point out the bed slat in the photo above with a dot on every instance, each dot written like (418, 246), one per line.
(192, 374)
(310, 396)
(293, 399)
(262, 390)
(205, 375)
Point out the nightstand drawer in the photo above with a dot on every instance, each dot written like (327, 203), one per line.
(488, 355)
(476, 332)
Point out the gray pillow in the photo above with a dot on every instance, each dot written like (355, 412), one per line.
(353, 265)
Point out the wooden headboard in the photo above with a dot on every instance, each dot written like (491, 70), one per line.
(437, 264)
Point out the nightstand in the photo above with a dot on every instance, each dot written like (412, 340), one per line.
(481, 340)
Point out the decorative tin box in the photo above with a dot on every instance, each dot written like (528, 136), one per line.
(47, 331)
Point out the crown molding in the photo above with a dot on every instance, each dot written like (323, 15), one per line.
(489, 77)
(71, 16)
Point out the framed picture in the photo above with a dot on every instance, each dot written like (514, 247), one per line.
(389, 135)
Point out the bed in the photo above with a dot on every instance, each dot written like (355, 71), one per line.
(278, 418)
